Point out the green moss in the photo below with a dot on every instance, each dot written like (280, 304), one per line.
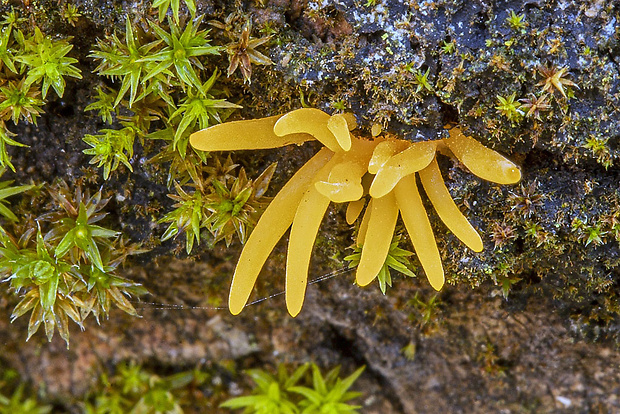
(284, 394)
(16, 397)
(31, 63)
(171, 93)
(222, 201)
(63, 266)
(397, 259)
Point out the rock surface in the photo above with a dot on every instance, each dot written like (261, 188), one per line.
(553, 241)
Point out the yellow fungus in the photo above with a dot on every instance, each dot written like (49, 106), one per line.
(381, 225)
(220, 137)
(348, 170)
(345, 179)
(310, 121)
(446, 209)
(383, 152)
(344, 184)
(353, 210)
(375, 130)
(419, 228)
(406, 162)
(338, 126)
(270, 228)
(350, 118)
(305, 226)
(482, 161)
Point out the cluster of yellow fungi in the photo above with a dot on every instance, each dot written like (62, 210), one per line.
(345, 171)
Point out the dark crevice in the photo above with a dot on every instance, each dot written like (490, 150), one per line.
(61, 108)
(450, 114)
(346, 347)
(530, 278)
(349, 350)
(537, 159)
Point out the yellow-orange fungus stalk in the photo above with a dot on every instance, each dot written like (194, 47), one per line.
(353, 170)
(383, 152)
(306, 225)
(406, 162)
(338, 125)
(482, 161)
(344, 182)
(419, 228)
(310, 121)
(270, 228)
(350, 118)
(353, 210)
(257, 133)
(381, 225)
(448, 211)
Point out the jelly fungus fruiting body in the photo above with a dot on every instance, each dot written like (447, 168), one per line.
(350, 170)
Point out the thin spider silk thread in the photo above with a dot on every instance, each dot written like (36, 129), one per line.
(172, 306)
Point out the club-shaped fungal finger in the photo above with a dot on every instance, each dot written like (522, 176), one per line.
(307, 121)
(306, 223)
(270, 228)
(383, 152)
(345, 179)
(419, 228)
(482, 161)
(446, 208)
(343, 184)
(351, 121)
(338, 126)
(354, 209)
(378, 239)
(244, 135)
(405, 163)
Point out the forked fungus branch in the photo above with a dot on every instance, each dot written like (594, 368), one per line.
(346, 171)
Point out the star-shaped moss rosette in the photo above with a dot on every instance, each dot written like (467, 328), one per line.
(346, 170)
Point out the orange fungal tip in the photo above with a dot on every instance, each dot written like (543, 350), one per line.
(405, 163)
(338, 126)
(308, 121)
(482, 161)
(354, 210)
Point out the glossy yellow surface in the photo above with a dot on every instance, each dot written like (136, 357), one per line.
(256, 133)
(338, 126)
(419, 228)
(309, 121)
(379, 232)
(436, 190)
(353, 170)
(354, 208)
(405, 163)
(482, 161)
(344, 182)
(270, 228)
(383, 152)
(306, 223)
